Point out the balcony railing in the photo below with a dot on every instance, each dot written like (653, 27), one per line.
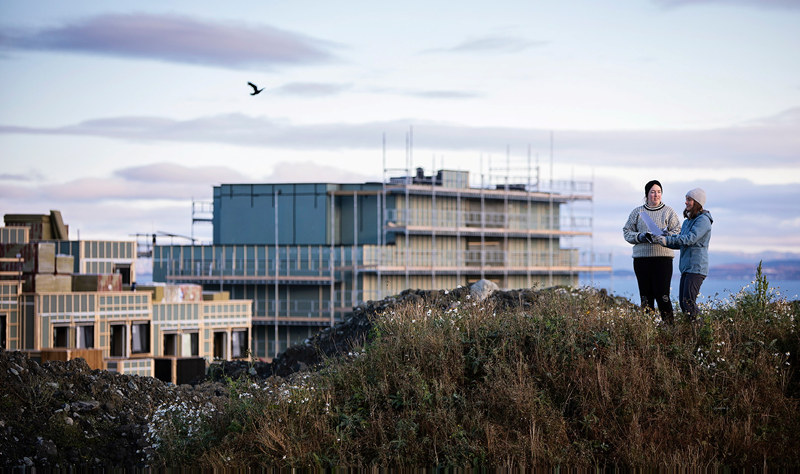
(368, 258)
(245, 268)
(293, 308)
(247, 262)
(376, 257)
(298, 309)
(489, 220)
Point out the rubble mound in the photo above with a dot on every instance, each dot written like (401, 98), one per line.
(66, 414)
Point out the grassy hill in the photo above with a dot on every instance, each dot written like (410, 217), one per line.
(525, 378)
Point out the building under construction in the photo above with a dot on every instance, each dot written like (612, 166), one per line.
(306, 254)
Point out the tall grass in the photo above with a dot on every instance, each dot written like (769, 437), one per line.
(560, 377)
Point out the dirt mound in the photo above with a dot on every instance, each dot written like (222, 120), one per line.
(64, 413)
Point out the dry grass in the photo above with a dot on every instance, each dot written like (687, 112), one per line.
(573, 379)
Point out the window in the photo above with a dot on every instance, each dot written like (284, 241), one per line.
(85, 337)
(140, 337)
(3, 340)
(117, 346)
(220, 340)
(190, 344)
(125, 271)
(61, 336)
(239, 344)
(170, 345)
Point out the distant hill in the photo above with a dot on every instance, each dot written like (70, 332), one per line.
(773, 270)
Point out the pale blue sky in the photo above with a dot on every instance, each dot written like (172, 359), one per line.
(119, 113)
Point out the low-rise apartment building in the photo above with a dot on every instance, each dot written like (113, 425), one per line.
(64, 299)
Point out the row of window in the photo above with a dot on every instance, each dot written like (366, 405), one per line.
(174, 344)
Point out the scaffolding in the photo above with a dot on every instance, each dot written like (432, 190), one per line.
(519, 176)
(202, 213)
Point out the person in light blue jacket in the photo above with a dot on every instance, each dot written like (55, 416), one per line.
(693, 243)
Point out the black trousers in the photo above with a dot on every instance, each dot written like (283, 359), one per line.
(653, 274)
(687, 294)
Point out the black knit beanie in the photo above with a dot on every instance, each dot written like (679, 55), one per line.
(650, 185)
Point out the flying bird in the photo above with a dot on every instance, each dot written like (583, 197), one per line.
(256, 90)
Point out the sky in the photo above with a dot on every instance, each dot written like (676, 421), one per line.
(120, 114)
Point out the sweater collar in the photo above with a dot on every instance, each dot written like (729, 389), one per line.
(649, 208)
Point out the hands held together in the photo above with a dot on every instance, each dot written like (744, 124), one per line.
(653, 239)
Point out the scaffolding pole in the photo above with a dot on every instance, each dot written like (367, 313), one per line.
(528, 223)
(333, 256)
(551, 226)
(277, 266)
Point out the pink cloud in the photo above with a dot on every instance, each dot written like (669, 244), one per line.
(182, 39)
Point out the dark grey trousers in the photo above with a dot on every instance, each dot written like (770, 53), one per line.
(687, 294)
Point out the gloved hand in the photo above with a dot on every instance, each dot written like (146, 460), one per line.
(660, 239)
(642, 237)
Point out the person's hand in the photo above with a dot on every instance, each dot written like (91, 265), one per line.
(660, 240)
(642, 237)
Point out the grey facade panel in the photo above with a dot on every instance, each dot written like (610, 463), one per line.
(310, 225)
(245, 214)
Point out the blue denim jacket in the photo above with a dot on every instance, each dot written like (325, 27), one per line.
(693, 243)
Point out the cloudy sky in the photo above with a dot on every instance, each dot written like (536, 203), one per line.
(120, 113)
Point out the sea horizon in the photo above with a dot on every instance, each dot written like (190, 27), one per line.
(715, 289)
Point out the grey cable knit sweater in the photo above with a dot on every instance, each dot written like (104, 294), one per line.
(664, 216)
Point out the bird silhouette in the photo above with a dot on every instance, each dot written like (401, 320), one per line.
(256, 90)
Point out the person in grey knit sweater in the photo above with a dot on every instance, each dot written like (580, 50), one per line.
(652, 263)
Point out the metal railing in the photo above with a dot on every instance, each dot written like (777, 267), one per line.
(227, 262)
(372, 258)
(489, 220)
(375, 257)
(544, 186)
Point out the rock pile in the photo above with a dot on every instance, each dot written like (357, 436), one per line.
(66, 414)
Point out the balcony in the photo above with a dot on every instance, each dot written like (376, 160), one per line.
(398, 259)
(246, 264)
(466, 222)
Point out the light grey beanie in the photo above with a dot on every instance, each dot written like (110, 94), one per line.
(698, 195)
